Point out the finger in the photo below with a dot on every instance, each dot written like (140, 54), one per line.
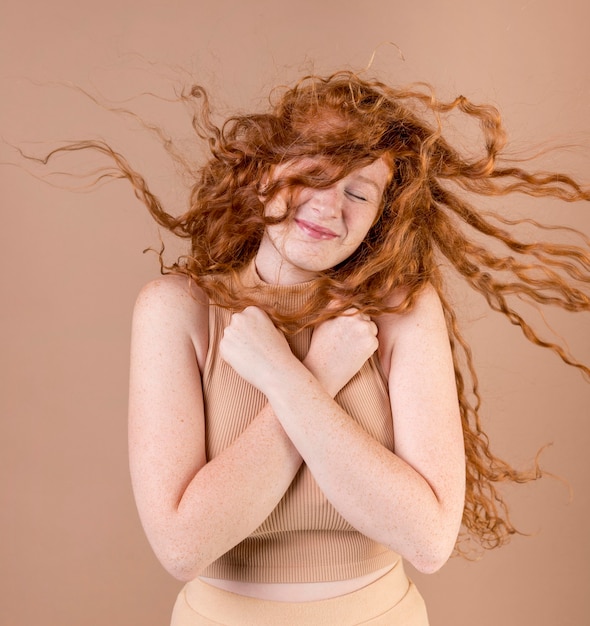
(351, 312)
(335, 306)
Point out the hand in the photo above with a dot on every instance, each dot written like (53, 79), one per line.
(339, 348)
(254, 347)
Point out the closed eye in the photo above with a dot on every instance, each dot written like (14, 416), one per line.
(356, 195)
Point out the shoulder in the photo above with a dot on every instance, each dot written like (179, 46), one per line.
(171, 290)
(173, 306)
(422, 323)
(426, 311)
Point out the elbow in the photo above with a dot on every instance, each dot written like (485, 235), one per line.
(184, 555)
(181, 562)
(180, 571)
(434, 553)
(434, 546)
(184, 576)
(429, 564)
(181, 567)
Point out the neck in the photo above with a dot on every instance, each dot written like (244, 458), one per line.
(273, 269)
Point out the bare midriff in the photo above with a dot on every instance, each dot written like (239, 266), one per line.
(297, 592)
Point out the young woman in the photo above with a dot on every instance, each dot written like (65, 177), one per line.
(303, 409)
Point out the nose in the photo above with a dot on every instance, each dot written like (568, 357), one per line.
(327, 203)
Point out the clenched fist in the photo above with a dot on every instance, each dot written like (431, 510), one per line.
(339, 348)
(254, 347)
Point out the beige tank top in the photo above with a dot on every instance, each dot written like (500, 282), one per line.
(304, 539)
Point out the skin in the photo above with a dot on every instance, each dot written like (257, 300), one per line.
(328, 226)
(193, 511)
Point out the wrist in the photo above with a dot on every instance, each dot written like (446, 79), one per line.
(286, 384)
(320, 374)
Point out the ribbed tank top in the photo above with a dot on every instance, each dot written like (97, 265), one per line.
(304, 539)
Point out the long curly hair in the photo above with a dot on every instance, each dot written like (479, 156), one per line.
(427, 229)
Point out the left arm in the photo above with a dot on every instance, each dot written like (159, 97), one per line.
(410, 500)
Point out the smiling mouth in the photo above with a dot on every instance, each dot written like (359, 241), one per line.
(314, 231)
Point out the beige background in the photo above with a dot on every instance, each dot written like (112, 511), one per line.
(72, 548)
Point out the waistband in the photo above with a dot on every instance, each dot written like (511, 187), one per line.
(202, 604)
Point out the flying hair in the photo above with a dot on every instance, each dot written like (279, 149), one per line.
(428, 226)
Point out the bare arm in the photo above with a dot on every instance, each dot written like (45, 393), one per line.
(193, 511)
(410, 500)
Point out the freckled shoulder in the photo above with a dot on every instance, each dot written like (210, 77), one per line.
(174, 303)
(427, 311)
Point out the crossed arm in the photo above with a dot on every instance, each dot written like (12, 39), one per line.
(194, 511)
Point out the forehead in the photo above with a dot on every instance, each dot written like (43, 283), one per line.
(378, 173)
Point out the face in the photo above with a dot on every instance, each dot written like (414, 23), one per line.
(327, 227)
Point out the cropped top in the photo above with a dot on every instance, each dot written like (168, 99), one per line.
(304, 539)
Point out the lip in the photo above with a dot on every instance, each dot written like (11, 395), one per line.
(315, 231)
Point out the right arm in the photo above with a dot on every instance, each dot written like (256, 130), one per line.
(193, 511)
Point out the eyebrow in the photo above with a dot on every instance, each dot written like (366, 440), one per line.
(369, 181)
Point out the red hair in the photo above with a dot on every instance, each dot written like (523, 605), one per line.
(427, 222)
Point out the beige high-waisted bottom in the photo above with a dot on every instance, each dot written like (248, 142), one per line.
(392, 600)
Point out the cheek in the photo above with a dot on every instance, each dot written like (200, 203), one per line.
(274, 208)
(361, 225)
(276, 235)
(279, 205)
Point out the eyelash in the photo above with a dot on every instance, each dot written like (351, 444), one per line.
(356, 196)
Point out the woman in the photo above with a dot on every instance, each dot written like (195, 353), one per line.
(299, 419)
(292, 447)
